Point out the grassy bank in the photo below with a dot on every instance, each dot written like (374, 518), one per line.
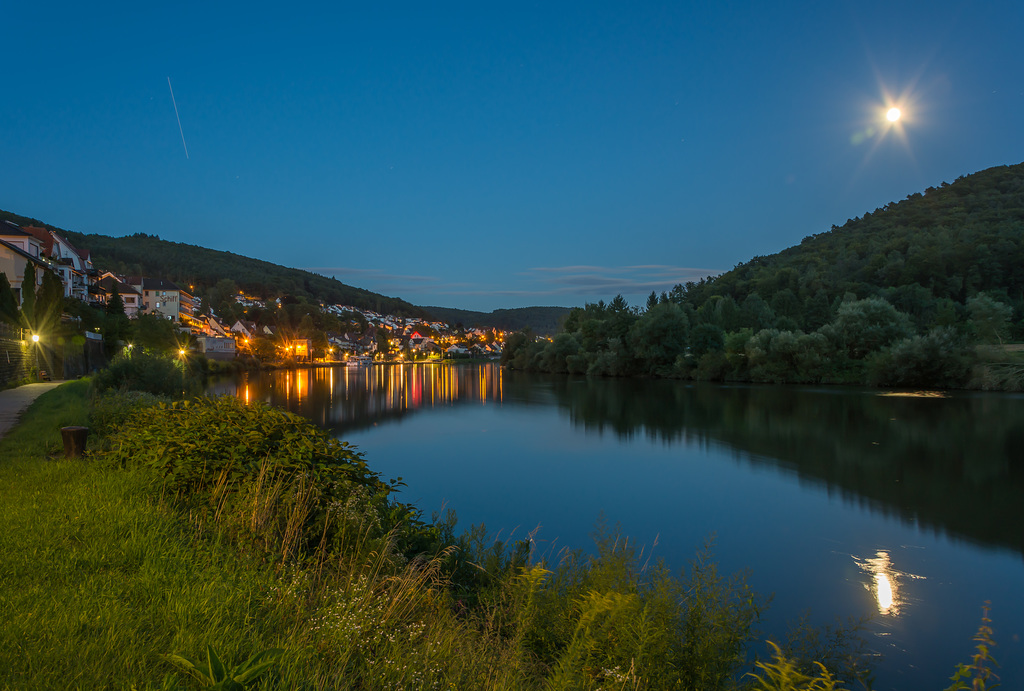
(98, 578)
(241, 529)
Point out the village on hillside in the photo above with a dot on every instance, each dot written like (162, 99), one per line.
(363, 336)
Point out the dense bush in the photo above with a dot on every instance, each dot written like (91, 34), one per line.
(293, 485)
(110, 411)
(939, 359)
(136, 370)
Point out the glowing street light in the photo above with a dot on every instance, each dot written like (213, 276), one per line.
(35, 338)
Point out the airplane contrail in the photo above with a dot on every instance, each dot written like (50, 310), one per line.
(177, 116)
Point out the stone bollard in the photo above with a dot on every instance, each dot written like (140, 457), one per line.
(74, 440)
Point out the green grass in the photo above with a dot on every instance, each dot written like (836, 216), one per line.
(97, 578)
(104, 574)
(37, 433)
(101, 578)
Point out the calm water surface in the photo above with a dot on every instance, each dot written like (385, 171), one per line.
(844, 503)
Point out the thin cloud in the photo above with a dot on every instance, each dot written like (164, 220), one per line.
(568, 284)
(375, 274)
(624, 279)
(650, 269)
(557, 269)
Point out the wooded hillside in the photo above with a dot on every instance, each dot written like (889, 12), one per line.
(922, 254)
(191, 265)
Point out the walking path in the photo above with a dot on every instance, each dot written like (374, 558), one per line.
(13, 402)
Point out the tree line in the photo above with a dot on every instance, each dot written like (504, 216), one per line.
(866, 341)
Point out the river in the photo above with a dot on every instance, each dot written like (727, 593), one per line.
(905, 508)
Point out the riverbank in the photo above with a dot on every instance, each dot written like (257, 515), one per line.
(942, 359)
(145, 571)
(142, 572)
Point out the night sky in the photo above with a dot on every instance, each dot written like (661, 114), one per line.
(484, 155)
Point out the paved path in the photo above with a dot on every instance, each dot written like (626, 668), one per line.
(13, 402)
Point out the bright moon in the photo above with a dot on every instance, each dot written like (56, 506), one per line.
(893, 115)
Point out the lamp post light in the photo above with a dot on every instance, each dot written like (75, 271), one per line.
(35, 356)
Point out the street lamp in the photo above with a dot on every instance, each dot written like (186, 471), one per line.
(35, 356)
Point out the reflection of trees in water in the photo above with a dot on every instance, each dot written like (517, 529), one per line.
(947, 463)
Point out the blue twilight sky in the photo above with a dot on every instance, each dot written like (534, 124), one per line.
(484, 155)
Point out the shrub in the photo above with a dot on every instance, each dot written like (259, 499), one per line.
(111, 410)
(135, 370)
(267, 472)
(940, 358)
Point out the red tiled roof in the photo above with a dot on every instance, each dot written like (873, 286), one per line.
(43, 235)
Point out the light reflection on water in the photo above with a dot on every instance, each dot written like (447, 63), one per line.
(818, 491)
(342, 398)
(885, 582)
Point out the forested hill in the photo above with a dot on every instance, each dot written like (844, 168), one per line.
(946, 244)
(542, 320)
(148, 255)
